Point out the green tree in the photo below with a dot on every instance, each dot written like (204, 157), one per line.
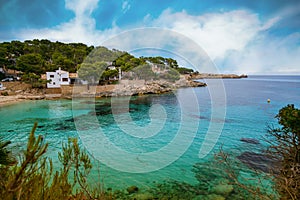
(92, 72)
(183, 70)
(33, 177)
(285, 147)
(34, 80)
(31, 63)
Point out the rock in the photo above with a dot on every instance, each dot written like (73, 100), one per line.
(21, 97)
(132, 189)
(250, 140)
(222, 189)
(258, 161)
(35, 97)
(217, 76)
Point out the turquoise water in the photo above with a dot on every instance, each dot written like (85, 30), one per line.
(157, 135)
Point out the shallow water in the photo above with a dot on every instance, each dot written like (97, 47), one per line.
(158, 135)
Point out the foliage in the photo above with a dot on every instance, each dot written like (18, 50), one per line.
(33, 177)
(5, 93)
(161, 72)
(160, 60)
(30, 63)
(34, 80)
(144, 72)
(92, 72)
(39, 56)
(5, 157)
(183, 70)
(285, 147)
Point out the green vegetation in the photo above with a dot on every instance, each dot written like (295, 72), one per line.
(38, 56)
(183, 70)
(34, 80)
(285, 147)
(33, 176)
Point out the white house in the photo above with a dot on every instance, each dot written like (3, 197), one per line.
(58, 78)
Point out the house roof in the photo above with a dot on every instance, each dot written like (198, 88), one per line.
(73, 75)
(43, 76)
(62, 71)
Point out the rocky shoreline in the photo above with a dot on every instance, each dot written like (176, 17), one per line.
(217, 76)
(17, 92)
(136, 87)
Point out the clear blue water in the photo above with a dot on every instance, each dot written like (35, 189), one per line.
(157, 135)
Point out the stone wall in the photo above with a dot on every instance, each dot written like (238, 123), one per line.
(53, 91)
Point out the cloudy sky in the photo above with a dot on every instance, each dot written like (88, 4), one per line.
(240, 36)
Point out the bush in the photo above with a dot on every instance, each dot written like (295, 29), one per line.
(285, 146)
(4, 93)
(33, 176)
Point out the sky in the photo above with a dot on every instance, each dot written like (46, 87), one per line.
(239, 36)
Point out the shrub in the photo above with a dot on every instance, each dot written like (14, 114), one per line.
(285, 146)
(33, 176)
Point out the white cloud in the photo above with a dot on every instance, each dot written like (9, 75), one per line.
(267, 55)
(237, 41)
(215, 32)
(82, 28)
(82, 8)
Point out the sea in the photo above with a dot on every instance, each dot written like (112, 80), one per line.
(150, 139)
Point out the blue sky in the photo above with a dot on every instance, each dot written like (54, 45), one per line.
(240, 36)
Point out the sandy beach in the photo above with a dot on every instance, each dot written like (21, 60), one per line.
(8, 100)
(13, 99)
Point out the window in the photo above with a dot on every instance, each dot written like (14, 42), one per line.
(52, 76)
(65, 79)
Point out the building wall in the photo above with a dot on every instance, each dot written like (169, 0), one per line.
(57, 78)
(53, 90)
(54, 77)
(65, 76)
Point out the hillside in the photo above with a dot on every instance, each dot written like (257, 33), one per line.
(39, 56)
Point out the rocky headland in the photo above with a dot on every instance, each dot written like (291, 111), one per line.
(131, 87)
(216, 76)
(17, 91)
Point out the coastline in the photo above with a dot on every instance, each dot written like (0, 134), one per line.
(19, 92)
(217, 76)
(10, 100)
(14, 99)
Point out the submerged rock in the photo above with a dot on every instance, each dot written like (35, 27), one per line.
(250, 140)
(132, 189)
(257, 161)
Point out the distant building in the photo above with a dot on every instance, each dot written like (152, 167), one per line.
(11, 73)
(57, 78)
